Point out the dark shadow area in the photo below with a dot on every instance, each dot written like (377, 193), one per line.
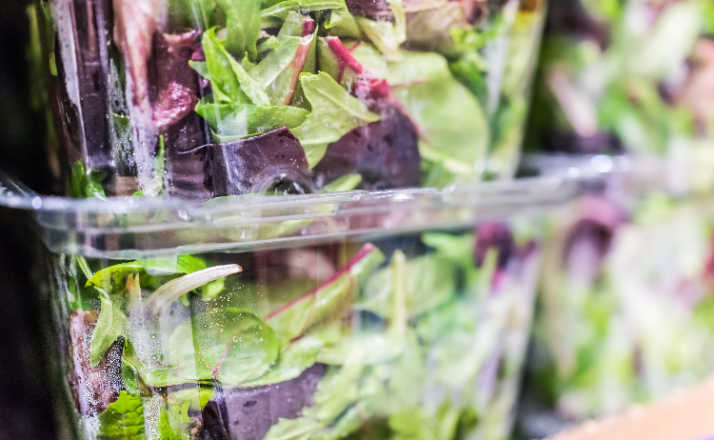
(25, 402)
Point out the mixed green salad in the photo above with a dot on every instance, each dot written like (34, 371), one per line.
(627, 307)
(203, 98)
(418, 337)
(634, 75)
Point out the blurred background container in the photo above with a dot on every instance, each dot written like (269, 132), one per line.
(25, 405)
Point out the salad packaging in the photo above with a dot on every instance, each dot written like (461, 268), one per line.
(204, 98)
(397, 314)
(625, 312)
(633, 76)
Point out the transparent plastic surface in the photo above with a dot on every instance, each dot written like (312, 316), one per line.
(199, 98)
(626, 303)
(632, 76)
(414, 335)
(349, 315)
(409, 336)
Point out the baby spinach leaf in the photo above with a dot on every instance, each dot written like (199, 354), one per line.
(123, 419)
(238, 121)
(334, 113)
(229, 344)
(111, 324)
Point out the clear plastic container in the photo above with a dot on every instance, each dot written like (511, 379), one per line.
(349, 315)
(202, 98)
(626, 301)
(630, 76)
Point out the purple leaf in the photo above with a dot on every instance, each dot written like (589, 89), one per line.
(385, 153)
(374, 9)
(249, 413)
(258, 164)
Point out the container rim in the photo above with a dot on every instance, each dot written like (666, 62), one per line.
(552, 169)
(128, 228)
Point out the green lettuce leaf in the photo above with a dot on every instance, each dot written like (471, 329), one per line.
(229, 80)
(243, 25)
(113, 277)
(334, 113)
(283, 8)
(111, 324)
(455, 129)
(429, 281)
(228, 344)
(238, 121)
(123, 419)
(278, 72)
(327, 302)
(299, 355)
(84, 183)
(342, 24)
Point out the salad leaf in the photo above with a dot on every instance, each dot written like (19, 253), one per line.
(325, 302)
(283, 8)
(110, 326)
(237, 121)
(382, 35)
(348, 182)
(417, 425)
(454, 126)
(229, 344)
(174, 420)
(299, 355)
(334, 113)
(416, 67)
(123, 419)
(115, 275)
(279, 70)
(176, 288)
(342, 24)
(243, 25)
(85, 183)
(328, 300)
(229, 80)
(430, 23)
(429, 281)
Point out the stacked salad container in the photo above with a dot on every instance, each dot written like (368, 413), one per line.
(288, 219)
(354, 315)
(204, 98)
(625, 312)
